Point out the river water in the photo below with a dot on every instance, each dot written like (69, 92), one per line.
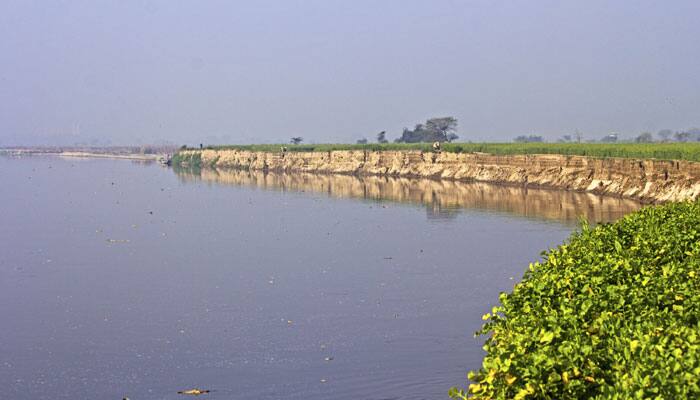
(120, 278)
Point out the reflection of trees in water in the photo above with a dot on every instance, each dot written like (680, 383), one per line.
(443, 199)
(436, 211)
(187, 173)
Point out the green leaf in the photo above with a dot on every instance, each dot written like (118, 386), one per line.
(547, 337)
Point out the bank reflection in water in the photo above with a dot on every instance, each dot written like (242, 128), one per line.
(441, 198)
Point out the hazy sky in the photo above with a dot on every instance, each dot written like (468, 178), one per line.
(335, 71)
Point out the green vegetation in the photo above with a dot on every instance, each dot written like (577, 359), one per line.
(614, 313)
(434, 130)
(193, 160)
(661, 151)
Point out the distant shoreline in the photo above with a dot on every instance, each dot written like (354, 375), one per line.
(80, 154)
(117, 153)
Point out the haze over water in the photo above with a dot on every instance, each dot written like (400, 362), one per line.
(127, 279)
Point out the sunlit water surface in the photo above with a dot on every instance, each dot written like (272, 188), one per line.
(126, 279)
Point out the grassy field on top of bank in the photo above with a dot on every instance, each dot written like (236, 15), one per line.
(660, 151)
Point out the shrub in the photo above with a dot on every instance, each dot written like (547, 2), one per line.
(191, 159)
(611, 314)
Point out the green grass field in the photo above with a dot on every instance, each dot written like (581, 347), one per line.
(661, 151)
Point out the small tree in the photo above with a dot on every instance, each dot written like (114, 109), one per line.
(381, 137)
(694, 134)
(611, 138)
(147, 150)
(664, 134)
(296, 140)
(682, 136)
(644, 137)
(529, 139)
(362, 141)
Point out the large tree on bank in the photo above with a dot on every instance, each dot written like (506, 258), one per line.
(442, 129)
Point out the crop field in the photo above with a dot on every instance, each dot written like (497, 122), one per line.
(661, 151)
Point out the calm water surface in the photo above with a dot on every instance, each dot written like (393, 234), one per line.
(125, 279)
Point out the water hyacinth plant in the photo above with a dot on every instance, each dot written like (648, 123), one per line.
(614, 313)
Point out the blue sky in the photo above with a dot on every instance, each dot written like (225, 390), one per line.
(334, 71)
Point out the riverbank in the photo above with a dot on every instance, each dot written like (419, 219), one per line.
(648, 181)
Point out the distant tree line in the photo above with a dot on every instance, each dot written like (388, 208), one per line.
(529, 139)
(689, 135)
(667, 135)
(664, 136)
(444, 129)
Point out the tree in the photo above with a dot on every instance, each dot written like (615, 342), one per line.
(147, 150)
(444, 127)
(578, 136)
(434, 130)
(611, 138)
(528, 139)
(296, 140)
(362, 141)
(381, 137)
(566, 139)
(694, 134)
(644, 137)
(664, 134)
(682, 136)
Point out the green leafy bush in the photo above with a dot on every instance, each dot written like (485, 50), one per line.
(611, 314)
(191, 159)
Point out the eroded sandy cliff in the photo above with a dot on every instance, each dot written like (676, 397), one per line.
(643, 180)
